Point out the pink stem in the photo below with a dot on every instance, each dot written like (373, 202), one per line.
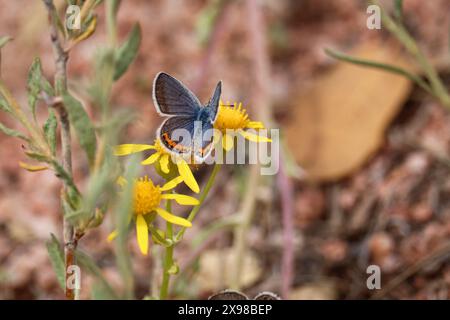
(287, 203)
(261, 88)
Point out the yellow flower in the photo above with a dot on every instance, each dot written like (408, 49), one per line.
(146, 204)
(164, 160)
(235, 118)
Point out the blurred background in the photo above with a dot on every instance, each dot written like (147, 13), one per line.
(367, 153)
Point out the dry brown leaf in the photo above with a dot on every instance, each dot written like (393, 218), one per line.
(341, 120)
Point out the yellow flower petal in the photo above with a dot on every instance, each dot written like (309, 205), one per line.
(124, 149)
(173, 219)
(188, 177)
(121, 181)
(254, 137)
(152, 159)
(164, 162)
(181, 199)
(227, 142)
(112, 236)
(142, 234)
(172, 183)
(255, 125)
(216, 136)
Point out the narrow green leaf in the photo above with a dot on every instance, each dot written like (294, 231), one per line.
(128, 51)
(103, 288)
(101, 187)
(61, 173)
(12, 132)
(4, 106)
(101, 184)
(115, 6)
(47, 87)
(122, 212)
(83, 126)
(207, 19)
(104, 69)
(68, 211)
(50, 130)
(4, 40)
(37, 156)
(57, 259)
(377, 65)
(37, 83)
(97, 2)
(398, 9)
(34, 84)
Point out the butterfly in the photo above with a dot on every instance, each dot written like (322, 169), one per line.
(229, 294)
(187, 129)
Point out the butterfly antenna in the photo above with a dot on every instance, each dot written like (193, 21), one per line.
(228, 104)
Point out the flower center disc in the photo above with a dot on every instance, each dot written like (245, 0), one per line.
(146, 197)
(231, 117)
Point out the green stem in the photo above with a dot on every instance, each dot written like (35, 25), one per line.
(373, 64)
(111, 20)
(85, 9)
(410, 44)
(168, 258)
(213, 228)
(155, 234)
(202, 198)
(60, 81)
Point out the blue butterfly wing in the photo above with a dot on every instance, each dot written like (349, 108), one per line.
(176, 134)
(213, 104)
(180, 135)
(203, 142)
(171, 97)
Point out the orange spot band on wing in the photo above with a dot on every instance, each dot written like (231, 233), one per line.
(173, 144)
(181, 148)
(204, 150)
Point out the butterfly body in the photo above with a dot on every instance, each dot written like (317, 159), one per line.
(187, 130)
